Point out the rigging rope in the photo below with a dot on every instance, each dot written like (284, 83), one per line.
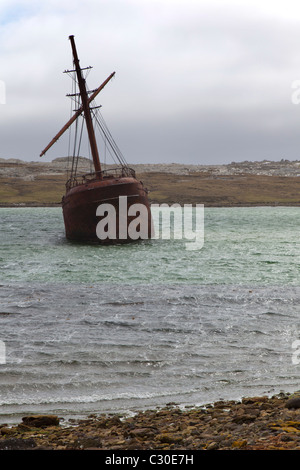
(109, 138)
(109, 143)
(69, 173)
(79, 145)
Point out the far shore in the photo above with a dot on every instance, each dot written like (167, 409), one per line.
(244, 184)
(40, 205)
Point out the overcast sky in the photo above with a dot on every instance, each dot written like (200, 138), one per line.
(197, 81)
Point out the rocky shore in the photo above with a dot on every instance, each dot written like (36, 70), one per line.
(256, 423)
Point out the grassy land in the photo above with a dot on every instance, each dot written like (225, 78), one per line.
(222, 191)
(42, 190)
(201, 188)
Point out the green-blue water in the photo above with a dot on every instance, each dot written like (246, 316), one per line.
(242, 246)
(118, 328)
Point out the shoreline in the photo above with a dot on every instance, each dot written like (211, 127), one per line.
(253, 423)
(217, 206)
(26, 205)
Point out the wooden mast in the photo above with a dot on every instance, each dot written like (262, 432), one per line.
(86, 110)
(76, 115)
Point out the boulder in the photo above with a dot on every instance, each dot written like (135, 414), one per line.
(293, 403)
(40, 421)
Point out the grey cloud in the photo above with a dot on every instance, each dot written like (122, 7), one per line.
(194, 82)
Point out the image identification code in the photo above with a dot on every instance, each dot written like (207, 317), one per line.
(153, 459)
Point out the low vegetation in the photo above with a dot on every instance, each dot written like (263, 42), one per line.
(196, 188)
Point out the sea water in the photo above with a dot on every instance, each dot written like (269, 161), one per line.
(103, 329)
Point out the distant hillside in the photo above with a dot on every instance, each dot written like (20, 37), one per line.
(235, 184)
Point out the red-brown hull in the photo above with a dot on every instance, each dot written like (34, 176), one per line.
(81, 202)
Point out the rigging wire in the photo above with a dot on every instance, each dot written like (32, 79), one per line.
(70, 130)
(74, 149)
(109, 138)
(79, 145)
(110, 144)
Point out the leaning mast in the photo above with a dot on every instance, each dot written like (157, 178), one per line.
(86, 110)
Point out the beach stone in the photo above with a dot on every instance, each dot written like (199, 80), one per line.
(88, 442)
(238, 444)
(293, 402)
(143, 432)
(288, 437)
(5, 431)
(167, 438)
(17, 444)
(244, 418)
(40, 421)
(252, 400)
(109, 422)
(212, 446)
(43, 448)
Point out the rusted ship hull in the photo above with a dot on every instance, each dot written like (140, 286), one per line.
(81, 202)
